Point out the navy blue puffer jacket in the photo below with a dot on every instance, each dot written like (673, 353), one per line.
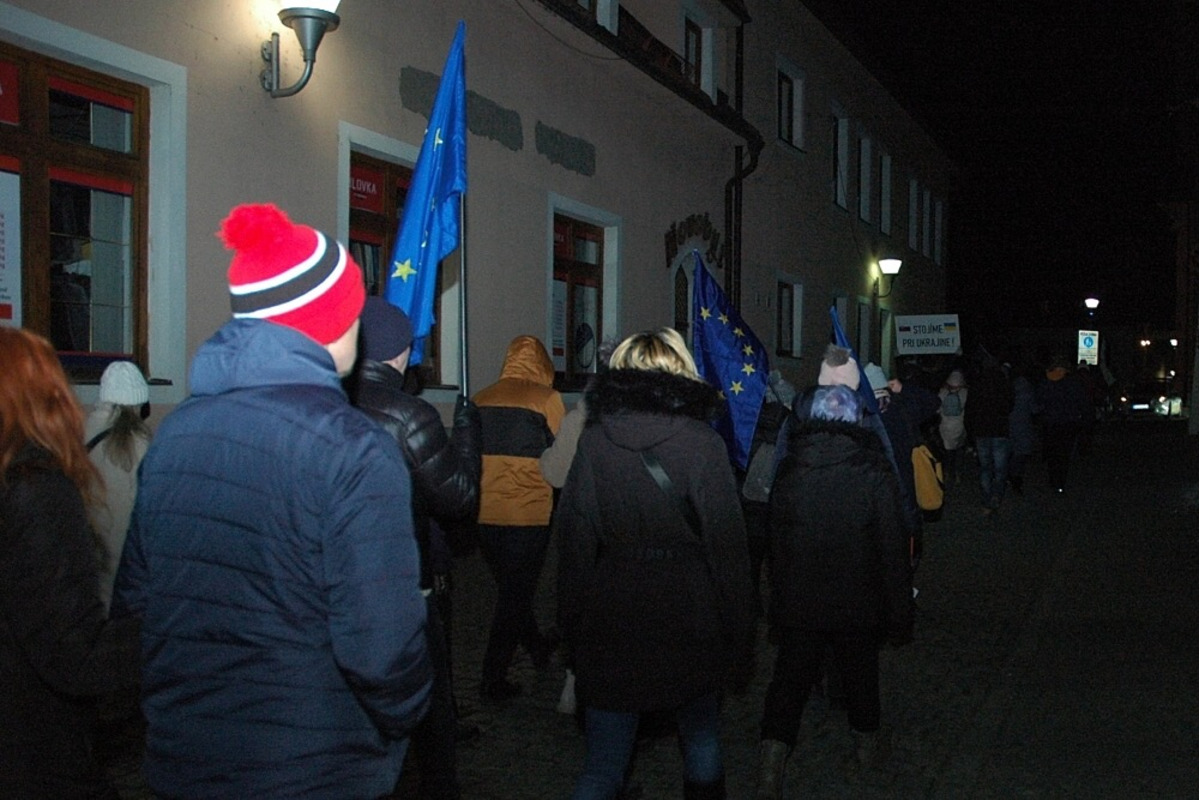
(272, 560)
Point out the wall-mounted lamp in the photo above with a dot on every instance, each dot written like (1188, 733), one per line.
(310, 22)
(889, 267)
(1092, 303)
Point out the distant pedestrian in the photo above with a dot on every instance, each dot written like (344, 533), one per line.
(117, 438)
(58, 650)
(1063, 400)
(952, 426)
(653, 585)
(1022, 430)
(445, 474)
(271, 553)
(521, 414)
(840, 576)
(987, 420)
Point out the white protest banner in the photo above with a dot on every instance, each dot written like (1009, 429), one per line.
(926, 334)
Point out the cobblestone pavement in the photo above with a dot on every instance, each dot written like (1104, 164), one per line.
(1055, 657)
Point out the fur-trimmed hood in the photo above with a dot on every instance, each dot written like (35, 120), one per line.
(621, 399)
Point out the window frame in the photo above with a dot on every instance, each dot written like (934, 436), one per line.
(39, 153)
(840, 157)
(785, 70)
(789, 310)
(576, 272)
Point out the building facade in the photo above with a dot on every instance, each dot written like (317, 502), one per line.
(606, 141)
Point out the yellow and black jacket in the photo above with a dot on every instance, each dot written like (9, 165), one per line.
(521, 414)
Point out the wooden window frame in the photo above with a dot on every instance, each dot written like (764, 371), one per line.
(30, 143)
(576, 273)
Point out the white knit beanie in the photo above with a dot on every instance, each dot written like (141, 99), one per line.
(122, 384)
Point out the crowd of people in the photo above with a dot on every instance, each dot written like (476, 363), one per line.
(270, 569)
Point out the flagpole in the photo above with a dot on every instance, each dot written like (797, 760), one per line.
(462, 295)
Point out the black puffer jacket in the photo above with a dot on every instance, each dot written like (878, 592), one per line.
(652, 610)
(445, 469)
(840, 557)
(57, 649)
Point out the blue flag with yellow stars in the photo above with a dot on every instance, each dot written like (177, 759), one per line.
(731, 358)
(865, 392)
(429, 226)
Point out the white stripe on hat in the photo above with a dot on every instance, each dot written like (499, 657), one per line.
(299, 269)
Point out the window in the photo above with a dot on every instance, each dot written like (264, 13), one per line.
(378, 190)
(74, 182)
(789, 305)
(914, 212)
(864, 344)
(693, 51)
(578, 293)
(790, 105)
(885, 193)
(938, 214)
(786, 108)
(926, 222)
(864, 178)
(840, 131)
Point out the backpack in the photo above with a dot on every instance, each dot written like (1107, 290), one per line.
(927, 478)
(952, 405)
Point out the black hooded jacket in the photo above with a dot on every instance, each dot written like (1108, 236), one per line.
(652, 610)
(840, 553)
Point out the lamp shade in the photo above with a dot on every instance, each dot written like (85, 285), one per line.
(890, 266)
(328, 6)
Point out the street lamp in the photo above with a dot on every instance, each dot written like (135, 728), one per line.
(310, 22)
(889, 267)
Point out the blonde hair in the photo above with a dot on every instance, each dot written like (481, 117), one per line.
(661, 350)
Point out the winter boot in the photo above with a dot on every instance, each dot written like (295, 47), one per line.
(704, 791)
(772, 764)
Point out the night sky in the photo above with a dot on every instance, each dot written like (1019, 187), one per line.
(1070, 122)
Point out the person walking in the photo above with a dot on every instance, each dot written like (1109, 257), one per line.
(117, 438)
(952, 425)
(1022, 430)
(521, 414)
(271, 553)
(654, 595)
(445, 474)
(1064, 405)
(840, 576)
(59, 653)
(987, 418)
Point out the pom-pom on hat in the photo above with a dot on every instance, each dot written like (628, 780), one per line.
(122, 384)
(838, 368)
(386, 330)
(290, 274)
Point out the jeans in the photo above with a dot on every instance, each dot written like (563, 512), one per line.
(993, 453)
(798, 665)
(515, 557)
(611, 736)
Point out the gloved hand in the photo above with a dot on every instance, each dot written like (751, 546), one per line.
(466, 413)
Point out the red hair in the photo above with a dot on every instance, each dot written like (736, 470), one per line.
(37, 404)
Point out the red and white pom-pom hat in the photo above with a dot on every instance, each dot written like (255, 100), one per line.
(290, 274)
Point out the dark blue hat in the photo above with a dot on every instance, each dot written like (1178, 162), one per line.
(386, 330)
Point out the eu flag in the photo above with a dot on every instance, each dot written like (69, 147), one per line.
(430, 225)
(731, 358)
(865, 392)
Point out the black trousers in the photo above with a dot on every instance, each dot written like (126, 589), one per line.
(798, 668)
(433, 743)
(515, 557)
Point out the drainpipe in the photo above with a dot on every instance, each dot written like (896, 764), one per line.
(733, 187)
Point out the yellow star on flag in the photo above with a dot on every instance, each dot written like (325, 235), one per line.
(705, 313)
(748, 350)
(404, 269)
(738, 332)
(736, 387)
(724, 319)
(748, 369)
